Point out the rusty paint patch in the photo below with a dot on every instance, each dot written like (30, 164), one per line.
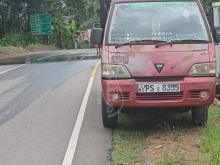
(119, 58)
(187, 57)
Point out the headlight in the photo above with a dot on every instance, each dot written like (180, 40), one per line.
(205, 69)
(114, 71)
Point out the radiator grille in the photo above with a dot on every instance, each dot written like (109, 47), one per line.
(124, 96)
(194, 94)
(159, 96)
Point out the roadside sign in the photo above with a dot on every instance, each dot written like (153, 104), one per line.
(41, 24)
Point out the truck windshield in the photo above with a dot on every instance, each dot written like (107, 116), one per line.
(156, 21)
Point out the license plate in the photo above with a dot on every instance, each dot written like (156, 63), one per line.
(158, 88)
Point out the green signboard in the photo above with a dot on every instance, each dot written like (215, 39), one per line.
(41, 24)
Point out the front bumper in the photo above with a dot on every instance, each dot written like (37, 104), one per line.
(188, 97)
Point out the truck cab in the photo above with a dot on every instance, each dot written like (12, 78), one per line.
(156, 54)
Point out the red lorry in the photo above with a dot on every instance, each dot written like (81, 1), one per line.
(155, 54)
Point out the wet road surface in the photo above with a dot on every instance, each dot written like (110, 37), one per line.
(51, 56)
(39, 106)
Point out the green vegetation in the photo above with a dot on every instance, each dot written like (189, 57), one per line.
(133, 137)
(175, 134)
(169, 159)
(208, 4)
(18, 40)
(128, 144)
(210, 150)
(11, 49)
(5, 51)
(69, 18)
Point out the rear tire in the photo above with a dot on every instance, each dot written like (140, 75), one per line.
(109, 115)
(200, 116)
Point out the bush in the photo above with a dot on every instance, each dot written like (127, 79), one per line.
(36, 47)
(83, 45)
(18, 40)
(62, 35)
(208, 4)
(11, 50)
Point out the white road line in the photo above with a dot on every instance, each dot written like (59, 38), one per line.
(8, 70)
(68, 159)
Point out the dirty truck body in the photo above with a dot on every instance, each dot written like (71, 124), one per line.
(156, 54)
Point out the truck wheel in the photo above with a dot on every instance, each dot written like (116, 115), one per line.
(200, 115)
(109, 115)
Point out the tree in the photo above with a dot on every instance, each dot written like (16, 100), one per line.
(15, 18)
(85, 12)
(208, 4)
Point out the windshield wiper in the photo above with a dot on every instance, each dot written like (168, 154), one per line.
(137, 42)
(171, 42)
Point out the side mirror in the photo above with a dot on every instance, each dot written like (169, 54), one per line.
(217, 34)
(96, 36)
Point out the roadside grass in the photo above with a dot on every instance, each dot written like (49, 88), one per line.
(133, 135)
(175, 134)
(210, 145)
(39, 47)
(134, 140)
(169, 159)
(128, 143)
(12, 51)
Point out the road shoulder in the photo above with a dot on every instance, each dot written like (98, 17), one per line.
(95, 142)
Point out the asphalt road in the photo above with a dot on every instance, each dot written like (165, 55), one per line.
(39, 110)
(50, 56)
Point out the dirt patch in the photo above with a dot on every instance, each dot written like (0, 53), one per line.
(2, 55)
(184, 150)
(170, 139)
(166, 139)
(174, 139)
(33, 48)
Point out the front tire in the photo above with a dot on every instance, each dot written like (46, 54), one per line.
(200, 115)
(109, 115)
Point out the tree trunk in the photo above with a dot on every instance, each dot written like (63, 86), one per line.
(28, 28)
(9, 13)
(3, 23)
